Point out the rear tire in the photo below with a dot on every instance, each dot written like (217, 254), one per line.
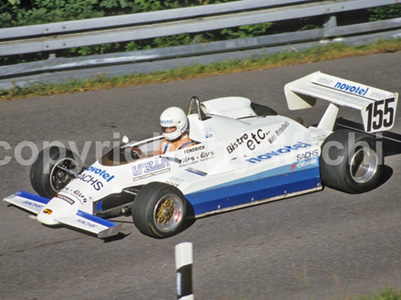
(351, 162)
(53, 170)
(159, 210)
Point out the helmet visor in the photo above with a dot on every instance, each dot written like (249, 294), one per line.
(169, 129)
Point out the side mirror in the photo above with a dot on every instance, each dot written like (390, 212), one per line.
(125, 139)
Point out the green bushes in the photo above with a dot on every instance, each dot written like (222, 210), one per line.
(385, 12)
(388, 294)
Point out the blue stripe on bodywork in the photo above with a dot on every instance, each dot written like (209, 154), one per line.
(265, 185)
(99, 206)
(95, 219)
(33, 197)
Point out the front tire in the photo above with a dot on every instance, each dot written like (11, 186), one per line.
(351, 162)
(159, 210)
(53, 169)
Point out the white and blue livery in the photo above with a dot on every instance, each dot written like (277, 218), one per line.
(243, 154)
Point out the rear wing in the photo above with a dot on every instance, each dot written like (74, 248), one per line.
(377, 107)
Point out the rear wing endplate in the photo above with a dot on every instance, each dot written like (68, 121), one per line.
(377, 107)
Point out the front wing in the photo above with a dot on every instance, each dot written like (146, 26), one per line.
(81, 220)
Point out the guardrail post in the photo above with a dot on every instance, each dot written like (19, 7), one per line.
(330, 24)
(183, 265)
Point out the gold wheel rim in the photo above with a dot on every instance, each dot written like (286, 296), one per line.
(168, 212)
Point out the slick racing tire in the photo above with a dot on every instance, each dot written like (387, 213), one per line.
(53, 170)
(351, 162)
(159, 210)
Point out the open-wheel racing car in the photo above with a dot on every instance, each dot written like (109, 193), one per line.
(242, 154)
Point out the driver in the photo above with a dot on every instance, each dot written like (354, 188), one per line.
(174, 125)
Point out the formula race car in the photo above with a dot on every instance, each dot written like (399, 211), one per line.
(242, 154)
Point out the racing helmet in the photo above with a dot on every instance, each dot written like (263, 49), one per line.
(174, 122)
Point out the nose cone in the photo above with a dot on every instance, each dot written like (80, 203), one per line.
(46, 216)
(58, 207)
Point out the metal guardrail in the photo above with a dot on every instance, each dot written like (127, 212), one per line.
(49, 37)
(140, 18)
(80, 33)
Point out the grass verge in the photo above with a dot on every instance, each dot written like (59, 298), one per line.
(288, 58)
(387, 294)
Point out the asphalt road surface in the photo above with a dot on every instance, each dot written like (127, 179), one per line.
(325, 245)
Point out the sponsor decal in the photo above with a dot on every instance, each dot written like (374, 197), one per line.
(278, 132)
(166, 122)
(101, 173)
(194, 149)
(278, 152)
(93, 180)
(151, 168)
(34, 204)
(323, 80)
(90, 179)
(343, 85)
(251, 140)
(66, 199)
(350, 87)
(86, 223)
(47, 211)
(304, 163)
(353, 89)
(208, 132)
(308, 154)
(76, 193)
(196, 158)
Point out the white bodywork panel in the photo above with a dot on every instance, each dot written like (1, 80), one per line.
(232, 107)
